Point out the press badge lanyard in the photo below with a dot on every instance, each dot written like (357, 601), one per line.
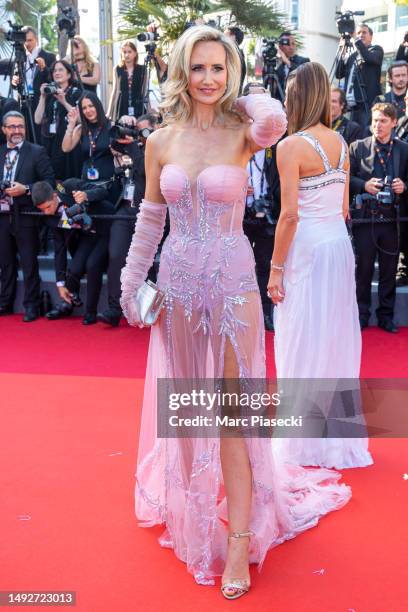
(53, 124)
(131, 108)
(10, 163)
(337, 123)
(7, 201)
(384, 162)
(92, 172)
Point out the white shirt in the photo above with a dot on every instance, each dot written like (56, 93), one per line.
(31, 66)
(255, 169)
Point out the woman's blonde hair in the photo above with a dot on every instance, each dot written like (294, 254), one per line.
(177, 104)
(88, 58)
(131, 44)
(308, 97)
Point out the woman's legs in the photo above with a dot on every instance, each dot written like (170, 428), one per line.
(237, 476)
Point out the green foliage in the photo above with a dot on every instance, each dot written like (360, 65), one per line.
(19, 11)
(253, 16)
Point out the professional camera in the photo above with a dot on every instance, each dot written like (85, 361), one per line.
(15, 35)
(124, 171)
(269, 49)
(78, 217)
(365, 203)
(386, 195)
(68, 21)
(3, 186)
(118, 130)
(346, 25)
(148, 36)
(263, 205)
(51, 88)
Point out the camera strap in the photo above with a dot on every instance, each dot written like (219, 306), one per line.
(384, 159)
(10, 163)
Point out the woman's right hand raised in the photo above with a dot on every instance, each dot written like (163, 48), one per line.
(73, 117)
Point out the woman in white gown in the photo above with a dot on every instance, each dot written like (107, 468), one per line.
(317, 331)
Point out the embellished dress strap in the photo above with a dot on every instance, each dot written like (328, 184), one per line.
(317, 147)
(343, 153)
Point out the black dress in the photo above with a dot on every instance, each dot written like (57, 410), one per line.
(130, 91)
(53, 127)
(96, 154)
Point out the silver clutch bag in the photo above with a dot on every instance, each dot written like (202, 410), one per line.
(149, 300)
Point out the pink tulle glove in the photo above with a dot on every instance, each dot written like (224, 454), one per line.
(146, 238)
(269, 118)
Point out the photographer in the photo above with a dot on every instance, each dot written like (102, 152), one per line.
(289, 58)
(402, 52)
(261, 212)
(131, 180)
(87, 67)
(350, 130)
(365, 62)
(397, 74)
(67, 213)
(237, 36)
(21, 164)
(378, 175)
(37, 65)
(89, 128)
(128, 84)
(57, 99)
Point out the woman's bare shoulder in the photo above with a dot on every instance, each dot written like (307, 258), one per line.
(160, 136)
(291, 144)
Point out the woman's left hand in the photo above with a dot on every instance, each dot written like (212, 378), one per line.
(276, 291)
(60, 96)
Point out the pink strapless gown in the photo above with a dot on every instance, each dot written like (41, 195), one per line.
(207, 269)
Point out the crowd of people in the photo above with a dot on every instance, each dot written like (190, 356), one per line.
(67, 156)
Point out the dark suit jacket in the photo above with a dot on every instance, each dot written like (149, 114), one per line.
(64, 240)
(295, 62)
(350, 130)
(388, 98)
(33, 165)
(370, 70)
(41, 77)
(362, 154)
(402, 53)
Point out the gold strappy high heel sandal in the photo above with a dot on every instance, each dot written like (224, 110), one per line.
(236, 588)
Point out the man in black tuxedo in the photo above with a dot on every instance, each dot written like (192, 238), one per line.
(87, 241)
(36, 69)
(371, 161)
(21, 164)
(289, 58)
(350, 130)
(365, 61)
(397, 74)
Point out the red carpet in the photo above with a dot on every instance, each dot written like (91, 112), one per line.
(70, 402)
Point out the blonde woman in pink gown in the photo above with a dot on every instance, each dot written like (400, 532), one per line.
(317, 330)
(224, 502)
